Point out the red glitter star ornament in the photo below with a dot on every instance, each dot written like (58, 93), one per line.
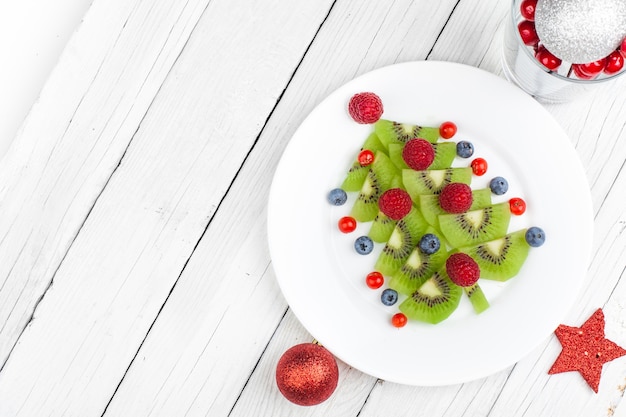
(585, 349)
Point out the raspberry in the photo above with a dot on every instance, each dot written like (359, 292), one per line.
(365, 108)
(395, 203)
(462, 269)
(418, 154)
(456, 198)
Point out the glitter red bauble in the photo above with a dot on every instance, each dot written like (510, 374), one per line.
(307, 374)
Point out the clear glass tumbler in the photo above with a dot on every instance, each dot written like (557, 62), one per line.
(522, 68)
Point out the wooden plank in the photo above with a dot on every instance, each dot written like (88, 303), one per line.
(154, 209)
(195, 374)
(74, 138)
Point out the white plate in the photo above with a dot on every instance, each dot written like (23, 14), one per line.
(323, 279)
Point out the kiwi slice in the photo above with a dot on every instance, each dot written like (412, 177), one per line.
(500, 259)
(379, 179)
(477, 298)
(475, 226)
(418, 267)
(394, 150)
(355, 177)
(444, 155)
(434, 300)
(381, 228)
(445, 152)
(432, 181)
(357, 173)
(430, 208)
(389, 131)
(402, 240)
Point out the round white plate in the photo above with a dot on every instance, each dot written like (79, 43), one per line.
(323, 278)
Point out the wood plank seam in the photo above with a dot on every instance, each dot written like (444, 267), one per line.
(443, 28)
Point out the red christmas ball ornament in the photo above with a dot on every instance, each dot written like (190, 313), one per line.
(307, 374)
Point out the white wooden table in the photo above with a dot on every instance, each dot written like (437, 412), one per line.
(135, 278)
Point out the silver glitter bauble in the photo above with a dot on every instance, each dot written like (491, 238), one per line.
(581, 31)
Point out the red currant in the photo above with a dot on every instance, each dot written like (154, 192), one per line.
(447, 130)
(366, 157)
(614, 62)
(347, 224)
(517, 206)
(589, 70)
(479, 166)
(527, 9)
(528, 33)
(546, 58)
(374, 280)
(399, 320)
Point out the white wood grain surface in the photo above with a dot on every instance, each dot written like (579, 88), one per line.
(135, 277)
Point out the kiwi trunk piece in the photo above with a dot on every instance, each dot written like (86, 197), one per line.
(379, 179)
(477, 298)
(418, 267)
(432, 181)
(430, 208)
(475, 226)
(357, 173)
(500, 259)
(381, 228)
(403, 239)
(389, 131)
(434, 300)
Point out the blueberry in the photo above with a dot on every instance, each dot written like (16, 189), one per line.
(464, 149)
(535, 236)
(498, 185)
(389, 297)
(337, 197)
(363, 245)
(429, 244)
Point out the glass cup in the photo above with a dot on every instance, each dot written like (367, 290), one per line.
(523, 69)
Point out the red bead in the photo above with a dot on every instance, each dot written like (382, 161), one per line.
(614, 62)
(527, 9)
(580, 73)
(528, 33)
(547, 59)
(589, 70)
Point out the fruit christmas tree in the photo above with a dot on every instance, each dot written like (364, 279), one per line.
(440, 236)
